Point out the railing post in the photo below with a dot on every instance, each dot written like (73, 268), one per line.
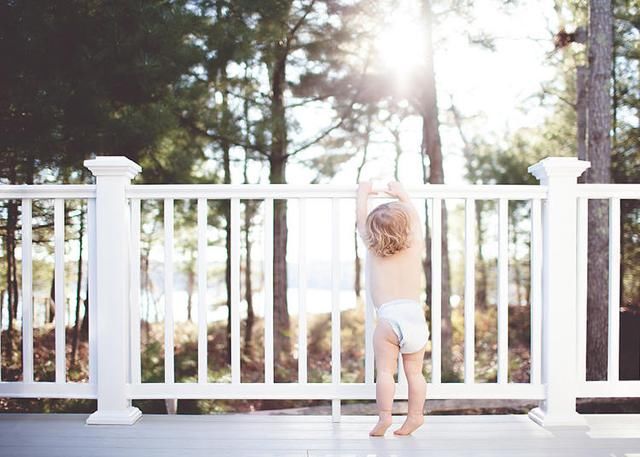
(112, 174)
(558, 408)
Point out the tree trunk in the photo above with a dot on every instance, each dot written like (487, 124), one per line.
(248, 291)
(250, 209)
(191, 282)
(76, 325)
(84, 329)
(11, 279)
(481, 265)
(3, 292)
(52, 299)
(277, 159)
(10, 251)
(582, 77)
(426, 265)
(147, 284)
(227, 216)
(517, 273)
(431, 146)
(599, 153)
(14, 270)
(357, 284)
(398, 150)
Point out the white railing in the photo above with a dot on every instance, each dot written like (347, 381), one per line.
(558, 293)
(613, 386)
(336, 389)
(60, 388)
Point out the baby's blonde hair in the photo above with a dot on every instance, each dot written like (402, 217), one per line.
(388, 229)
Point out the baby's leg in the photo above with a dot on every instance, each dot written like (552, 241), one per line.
(417, 392)
(385, 346)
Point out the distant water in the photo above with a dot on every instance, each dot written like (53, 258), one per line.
(317, 301)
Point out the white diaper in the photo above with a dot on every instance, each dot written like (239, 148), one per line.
(407, 320)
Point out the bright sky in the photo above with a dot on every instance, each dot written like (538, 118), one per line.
(492, 87)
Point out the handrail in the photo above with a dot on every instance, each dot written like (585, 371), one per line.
(285, 191)
(47, 191)
(608, 190)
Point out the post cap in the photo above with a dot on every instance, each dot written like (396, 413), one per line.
(564, 167)
(113, 166)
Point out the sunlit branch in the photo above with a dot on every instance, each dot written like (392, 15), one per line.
(308, 100)
(300, 21)
(186, 122)
(343, 117)
(546, 91)
(248, 98)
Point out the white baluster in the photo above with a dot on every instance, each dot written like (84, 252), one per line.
(302, 288)
(503, 291)
(436, 298)
(469, 291)
(202, 291)
(134, 298)
(613, 369)
(61, 363)
(235, 290)
(536, 291)
(27, 298)
(335, 304)
(268, 290)
(169, 371)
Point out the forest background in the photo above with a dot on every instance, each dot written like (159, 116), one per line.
(313, 91)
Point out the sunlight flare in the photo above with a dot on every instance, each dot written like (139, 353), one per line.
(400, 44)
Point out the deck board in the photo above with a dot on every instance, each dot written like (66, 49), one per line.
(312, 436)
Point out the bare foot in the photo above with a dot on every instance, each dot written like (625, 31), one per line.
(410, 425)
(383, 424)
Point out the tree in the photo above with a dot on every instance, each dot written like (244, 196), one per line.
(365, 149)
(431, 148)
(599, 154)
(85, 79)
(625, 141)
(310, 37)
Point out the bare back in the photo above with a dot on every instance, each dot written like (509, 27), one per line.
(398, 275)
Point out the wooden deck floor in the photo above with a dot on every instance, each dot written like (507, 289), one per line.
(312, 436)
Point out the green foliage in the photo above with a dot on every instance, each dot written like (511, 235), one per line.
(626, 140)
(89, 78)
(506, 161)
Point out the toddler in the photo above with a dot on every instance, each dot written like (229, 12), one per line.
(393, 236)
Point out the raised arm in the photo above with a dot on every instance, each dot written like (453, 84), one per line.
(362, 208)
(397, 190)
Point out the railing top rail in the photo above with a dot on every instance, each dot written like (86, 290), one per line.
(185, 191)
(625, 191)
(148, 191)
(68, 191)
(284, 191)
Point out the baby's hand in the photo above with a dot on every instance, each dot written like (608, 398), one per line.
(396, 189)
